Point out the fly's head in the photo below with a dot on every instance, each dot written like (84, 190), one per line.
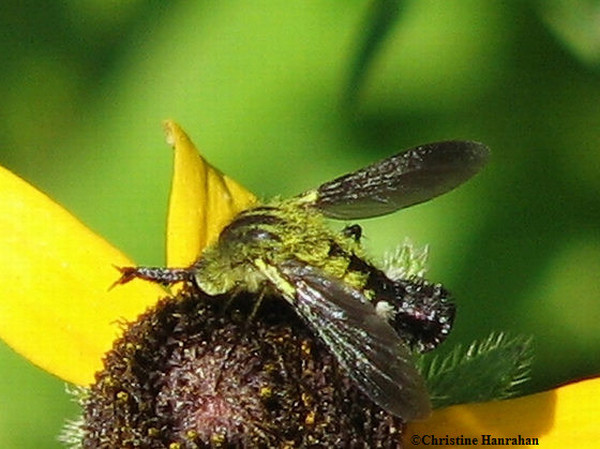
(274, 233)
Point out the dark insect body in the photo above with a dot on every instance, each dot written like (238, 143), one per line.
(369, 320)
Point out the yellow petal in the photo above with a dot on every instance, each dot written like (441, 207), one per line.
(56, 309)
(203, 201)
(564, 417)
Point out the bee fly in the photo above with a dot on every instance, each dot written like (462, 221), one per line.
(369, 321)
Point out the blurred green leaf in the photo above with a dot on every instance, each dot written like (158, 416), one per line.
(576, 23)
(380, 18)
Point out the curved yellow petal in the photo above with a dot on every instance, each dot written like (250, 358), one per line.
(56, 308)
(564, 417)
(203, 201)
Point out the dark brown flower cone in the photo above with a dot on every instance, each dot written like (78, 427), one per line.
(197, 372)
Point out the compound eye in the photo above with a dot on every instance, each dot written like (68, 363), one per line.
(251, 235)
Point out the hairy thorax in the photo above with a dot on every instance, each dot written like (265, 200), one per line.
(275, 232)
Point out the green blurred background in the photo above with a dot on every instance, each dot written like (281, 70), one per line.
(285, 95)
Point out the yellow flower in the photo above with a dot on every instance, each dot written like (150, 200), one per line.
(564, 417)
(58, 312)
(57, 309)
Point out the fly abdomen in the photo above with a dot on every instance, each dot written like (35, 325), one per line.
(419, 311)
(424, 312)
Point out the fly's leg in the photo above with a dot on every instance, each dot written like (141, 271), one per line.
(157, 275)
(255, 306)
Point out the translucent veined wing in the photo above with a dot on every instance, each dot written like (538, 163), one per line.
(409, 178)
(363, 343)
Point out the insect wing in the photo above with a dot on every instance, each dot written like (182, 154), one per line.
(409, 178)
(364, 344)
